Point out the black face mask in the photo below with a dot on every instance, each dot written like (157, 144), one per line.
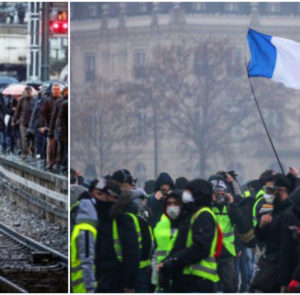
(277, 200)
(103, 207)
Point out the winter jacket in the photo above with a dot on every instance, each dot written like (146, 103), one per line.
(23, 111)
(35, 115)
(61, 127)
(112, 275)
(46, 111)
(203, 231)
(3, 111)
(54, 117)
(270, 234)
(156, 206)
(289, 256)
(86, 243)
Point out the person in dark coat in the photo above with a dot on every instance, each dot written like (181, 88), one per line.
(3, 111)
(268, 228)
(45, 118)
(56, 130)
(113, 275)
(163, 185)
(63, 135)
(39, 139)
(22, 117)
(198, 194)
(289, 243)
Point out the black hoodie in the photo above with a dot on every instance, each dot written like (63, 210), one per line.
(113, 276)
(289, 266)
(156, 206)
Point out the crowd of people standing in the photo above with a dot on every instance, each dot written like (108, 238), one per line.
(36, 126)
(198, 236)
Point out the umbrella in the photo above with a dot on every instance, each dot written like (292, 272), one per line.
(17, 89)
(4, 80)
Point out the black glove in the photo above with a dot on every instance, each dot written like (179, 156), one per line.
(163, 282)
(170, 265)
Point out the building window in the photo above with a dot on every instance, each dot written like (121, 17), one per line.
(141, 122)
(139, 62)
(139, 59)
(199, 6)
(90, 68)
(142, 8)
(92, 11)
(231, 7)
(273, 7)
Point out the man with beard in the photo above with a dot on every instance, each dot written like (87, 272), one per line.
(268, 232)
(45, 119)
(191, 263)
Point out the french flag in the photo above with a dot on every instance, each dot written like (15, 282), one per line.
(274, 58)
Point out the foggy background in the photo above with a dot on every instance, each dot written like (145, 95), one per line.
(163, 87)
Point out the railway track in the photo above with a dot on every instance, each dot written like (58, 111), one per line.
(29, 266)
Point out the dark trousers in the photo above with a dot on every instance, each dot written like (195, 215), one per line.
(242, 271)
(5, 139)
(143, 278)
(39, 144)
(192, 284)
(227, 274)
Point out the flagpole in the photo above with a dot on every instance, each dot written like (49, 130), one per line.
(261, 116)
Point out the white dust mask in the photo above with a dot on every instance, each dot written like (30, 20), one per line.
(269, 198)
(187, 197)
(173, 211)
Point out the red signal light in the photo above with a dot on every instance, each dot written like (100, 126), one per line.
(59, 27)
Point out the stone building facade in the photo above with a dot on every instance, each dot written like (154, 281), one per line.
(110, 39)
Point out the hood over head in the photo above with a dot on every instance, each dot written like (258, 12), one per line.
(201, 191)
(176, 194)
(164, 178)
(87, 211)
(181, 183)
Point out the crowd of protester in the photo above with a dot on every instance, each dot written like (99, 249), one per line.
(36, 126)
(187, 236)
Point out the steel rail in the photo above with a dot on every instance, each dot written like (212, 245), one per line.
(30, 243)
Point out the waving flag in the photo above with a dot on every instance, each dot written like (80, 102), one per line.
(274, 58)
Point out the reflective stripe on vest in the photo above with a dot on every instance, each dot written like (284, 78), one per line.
(117, 243)
(206, 268)
(247, 194)
(164, 239)
(259, 196)
(227, 228)
(76, 270)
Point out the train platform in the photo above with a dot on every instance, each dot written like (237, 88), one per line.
(40, 191)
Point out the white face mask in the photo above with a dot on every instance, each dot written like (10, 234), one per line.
(269, 198)
(173, 211)
(187, 197)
